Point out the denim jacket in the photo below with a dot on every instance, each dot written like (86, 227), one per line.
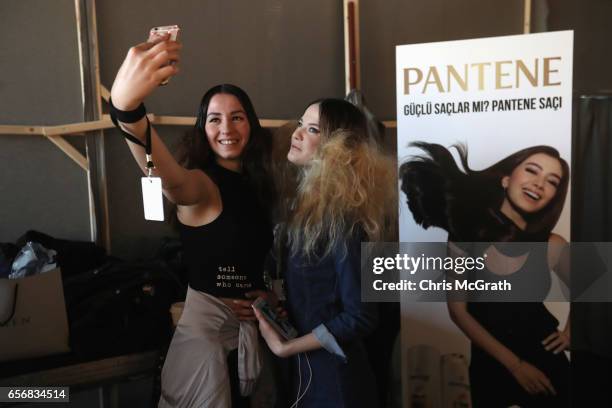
(324, 297)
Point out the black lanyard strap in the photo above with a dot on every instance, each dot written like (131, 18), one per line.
(132, 117)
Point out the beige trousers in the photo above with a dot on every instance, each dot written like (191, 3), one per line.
(195, 373)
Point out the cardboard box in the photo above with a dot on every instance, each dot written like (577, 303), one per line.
(33, 319)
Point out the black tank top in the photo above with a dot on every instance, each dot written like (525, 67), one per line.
(225, 258)
(513, 321)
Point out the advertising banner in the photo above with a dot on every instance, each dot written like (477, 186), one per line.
(484, 148)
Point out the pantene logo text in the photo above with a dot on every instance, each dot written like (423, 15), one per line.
(506, 74)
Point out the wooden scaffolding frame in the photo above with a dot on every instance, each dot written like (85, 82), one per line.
(88, 43)
(56, 133)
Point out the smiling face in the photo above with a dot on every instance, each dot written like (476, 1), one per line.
(532, 185)
(306, 137)
(227, 129)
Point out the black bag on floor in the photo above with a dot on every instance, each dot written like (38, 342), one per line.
(121, 307)
(8, 252)
(72, 256)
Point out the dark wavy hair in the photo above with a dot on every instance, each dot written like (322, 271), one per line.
(376, 129)
(336, 114)
(195, 152)
(466, 202)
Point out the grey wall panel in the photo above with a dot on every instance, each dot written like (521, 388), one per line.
(592, 25)
(385, 24)
(42, 189)
(40, 84)
(283, 53)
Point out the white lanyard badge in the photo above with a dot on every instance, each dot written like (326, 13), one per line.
(152, 198)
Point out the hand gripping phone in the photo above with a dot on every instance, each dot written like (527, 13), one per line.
(280, 325)
(156, 32)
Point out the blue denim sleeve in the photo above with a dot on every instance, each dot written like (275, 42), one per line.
(357, 319)
(328, 341)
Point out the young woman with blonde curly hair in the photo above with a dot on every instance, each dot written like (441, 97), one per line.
(344, 186)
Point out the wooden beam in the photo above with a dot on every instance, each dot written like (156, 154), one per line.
(352, 69)
(78, 127)
(168, 120)
(92, 110)
(70, 151)
(272, 123)
(172, 120)
(104, 92)
(164, 120)
(527, 16)
(88, 373)
(21, 130)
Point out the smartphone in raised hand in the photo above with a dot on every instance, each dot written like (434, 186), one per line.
(157, 32)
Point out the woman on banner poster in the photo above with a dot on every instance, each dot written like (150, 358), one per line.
(516, 348)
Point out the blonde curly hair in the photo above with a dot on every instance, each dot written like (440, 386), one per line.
(349, 187)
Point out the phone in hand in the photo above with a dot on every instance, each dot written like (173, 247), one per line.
(282, 326)
(157, 32)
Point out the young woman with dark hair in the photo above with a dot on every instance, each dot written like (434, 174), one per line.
(516, 355)
(339, 201)
(221, 190)
(195, 152)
